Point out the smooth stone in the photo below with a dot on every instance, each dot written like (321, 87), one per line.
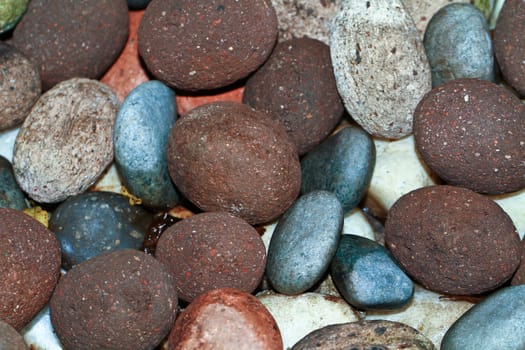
(497, 322)
(10, 339)
(368, 277)
(11, 195)
(342, 164)
(10, 13)
(142, 127)
(458, 44)
(304, 242)
(91, 223)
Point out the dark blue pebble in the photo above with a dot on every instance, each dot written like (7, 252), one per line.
(143, 124)
(458, 44)
(304, 242)
(367, 277)
(342, 164)
(95, 222)
(138, 4)
(11, 195)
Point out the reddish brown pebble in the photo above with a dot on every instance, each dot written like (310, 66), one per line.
(10, 339)
(202, 44)
(296, 86)
(120, 300)
(453, 240)
(225, 319)
(29, 267)
(212, 250)
(509, 43)
(519, 276)
(226, 156)
(471, 132)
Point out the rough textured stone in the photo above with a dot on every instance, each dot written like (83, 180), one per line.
(10, 339)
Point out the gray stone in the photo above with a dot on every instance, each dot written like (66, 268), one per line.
(11, 195)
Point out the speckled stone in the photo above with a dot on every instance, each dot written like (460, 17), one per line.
(452, 240)
(225, 319)
(471, 133)
(458, 44)
(92, 223)
(11, 195)
(497, 322)
(142, 128)
(368, 277)
(10, 339)
(342, 164)
(304, 242)
(10, 13)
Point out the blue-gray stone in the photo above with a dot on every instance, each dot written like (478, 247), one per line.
(142, 127)
(497, 322)
(367, 276)
(138, 4)
(92, 223)
(304, 242)
(458, 44)
(342, 164)
(11, 195)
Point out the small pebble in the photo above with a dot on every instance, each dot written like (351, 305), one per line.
(10, 13)
(304, 242)
(342, 164)
(142, 128)
(368, 277)
(11, 196)
(10, 339)
(92, 223)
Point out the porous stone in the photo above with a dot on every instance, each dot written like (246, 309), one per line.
(11, 196)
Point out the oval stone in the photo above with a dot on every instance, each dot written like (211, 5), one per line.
(142, 128)
(497, 322)
(11, 195)
(367, 276)
(342, 164)
(380, 65)
(91, 223)
(304, 242)
(458, 44)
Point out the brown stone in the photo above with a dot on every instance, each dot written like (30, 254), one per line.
(10, 339)
(519, 276)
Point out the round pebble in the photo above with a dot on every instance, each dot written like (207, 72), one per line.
(296, 86)
(66, 142)
(10, 339)
(471, 133)
(342, 164)
(142, 128)
(29, 267)
(69, 39)
(212, 250)
(509, 43)
(458, 44)
(11, 196)
(202, 44)
(304, 242)
(453, 240)
(380, 65)
(92, 223)
(224, 319)
(19, 87)
(10, 13)
(255, 166)
(120, 300)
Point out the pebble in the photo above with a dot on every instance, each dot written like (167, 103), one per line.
(365, 335)
(497, 322)
(142, 128)
(458, 44)
(380, 65)
(212, 250)
(11, 196)
(225, 319)
(92, 223)
(471, 133)
(66, 41)
(453, 240)
(123, 299)
(66, 142)
(19, 86)
(519, 275)
(368, 277)
(342, 164)
(255, 166)
(29, 267)
(304, 242)
(423, 10)
(10, 13)
(10, 339)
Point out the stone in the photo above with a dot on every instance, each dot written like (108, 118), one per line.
(458, 44)
(304, 242)
(368, 277)
(10, 13)
(10, 339)
(142, 128)
(11, 195)
(422, 11)
(138, 4)
(519, 276)
(342, 164)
